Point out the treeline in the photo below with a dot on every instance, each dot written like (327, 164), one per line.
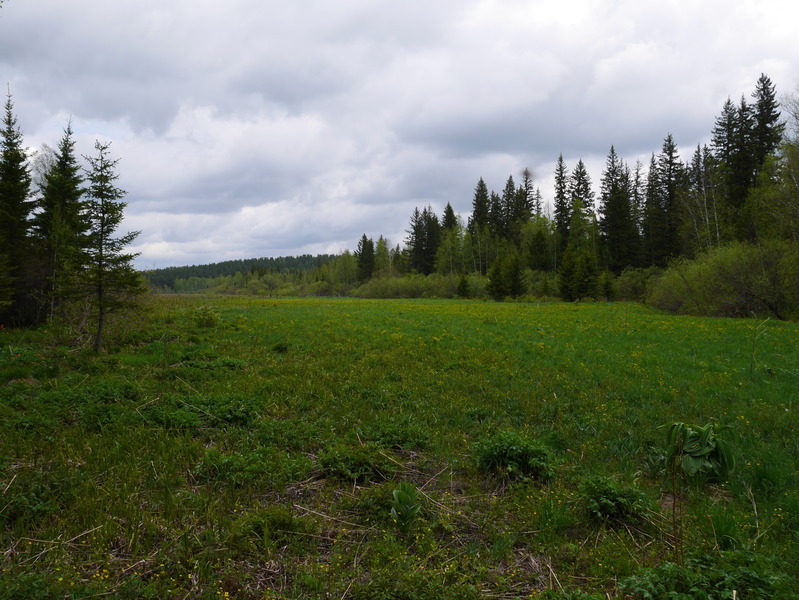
(181, 279)
(59, 254)
(740, 189)
(735, 198)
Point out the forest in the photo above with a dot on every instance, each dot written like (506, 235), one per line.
(714, 235)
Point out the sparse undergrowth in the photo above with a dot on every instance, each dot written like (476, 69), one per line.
(397, 449)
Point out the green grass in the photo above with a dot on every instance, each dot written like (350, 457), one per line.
(250, 447)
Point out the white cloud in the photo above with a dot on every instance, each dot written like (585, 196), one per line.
(263, 128)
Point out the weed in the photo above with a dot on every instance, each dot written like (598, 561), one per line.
(512, 455)
(607, 501)
(359, 463)
(206, 317)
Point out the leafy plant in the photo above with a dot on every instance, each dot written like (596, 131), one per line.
(405, 505)
(699, 450)
(606, 500)
(513, 455)
(694, 450)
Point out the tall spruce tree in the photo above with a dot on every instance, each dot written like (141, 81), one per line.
(60, 225)
(617, 223)
(16, 206)
(767, 128)
(478, 226)
(580, 188)
(562, 207)
(365, 258)
(110, 279)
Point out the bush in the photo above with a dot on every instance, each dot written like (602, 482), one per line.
(206, 317)
(607, 501)
(701, 578)
(737, 280)
(632, 283)
(512, 455)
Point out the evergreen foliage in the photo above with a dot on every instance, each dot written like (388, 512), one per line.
(109, 280)
(16, 206)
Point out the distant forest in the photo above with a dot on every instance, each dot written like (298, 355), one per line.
(733, 206)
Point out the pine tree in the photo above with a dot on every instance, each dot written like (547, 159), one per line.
(562, 206)
(60, 223)
(424, 237)
(449, 219)
(478, 227)
(671, 179)
(110, 279)
(365, 258)
(617, 223)
(767, 129)
(15, 209)
(580, 188)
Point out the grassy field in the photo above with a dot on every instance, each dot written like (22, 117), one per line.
(254, 448)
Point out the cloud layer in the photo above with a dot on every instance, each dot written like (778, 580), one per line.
(266, 128)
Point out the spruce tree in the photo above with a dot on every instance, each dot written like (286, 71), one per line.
(580, 188)
(767, 128)
(60, 225)
(365, 257)
(478, 226)
(449, 219)
(16, 206)
(110, 281)
(617, 222)
(562, 207)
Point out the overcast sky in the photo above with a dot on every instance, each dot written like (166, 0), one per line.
(252, 128)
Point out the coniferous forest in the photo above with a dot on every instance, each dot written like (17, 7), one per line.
(715, 234)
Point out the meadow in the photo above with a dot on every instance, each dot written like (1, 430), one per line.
(255, 448)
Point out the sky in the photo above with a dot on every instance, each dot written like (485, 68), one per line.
(255, 128)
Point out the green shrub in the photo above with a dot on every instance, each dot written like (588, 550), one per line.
(607, 501)
(510, 454)
(206, 317)
(704, 579)
(736, 280)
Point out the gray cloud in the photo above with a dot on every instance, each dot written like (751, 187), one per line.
(256, 128)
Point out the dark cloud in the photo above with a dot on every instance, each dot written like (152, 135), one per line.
(262, 128)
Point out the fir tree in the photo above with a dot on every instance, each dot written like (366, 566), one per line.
(15, 209)
(562, 206)
(60, 224)
(617, 222)
(110, 279)
(365, 258)
(767, 129)
(449, 220)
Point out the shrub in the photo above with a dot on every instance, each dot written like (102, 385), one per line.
(731, 576)
(512, 455)
(607, 501)
(206, 317)
(737, 280)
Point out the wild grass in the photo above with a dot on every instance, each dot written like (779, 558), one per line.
(251, 447)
